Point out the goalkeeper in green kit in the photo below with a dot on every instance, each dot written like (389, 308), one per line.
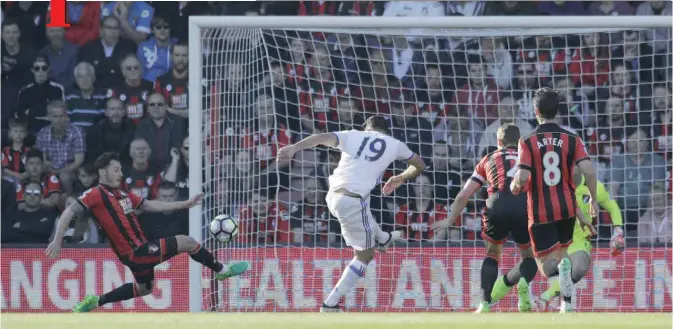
(580, 249)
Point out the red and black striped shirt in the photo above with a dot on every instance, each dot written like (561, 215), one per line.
(114, 211)
(14, 160)
(550, 154)
(496, 169)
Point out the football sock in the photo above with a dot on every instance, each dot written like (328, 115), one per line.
(203, 256)
(550, 268)
(500, 290)
(123, 292)
(489, 273)
(351, 274)
(528, 269)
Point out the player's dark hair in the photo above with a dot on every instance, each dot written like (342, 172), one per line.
(105, 160)
(33, 153)
(509, 134)
(546, 102)
(378, 123)
(15, 123)
(166, 185)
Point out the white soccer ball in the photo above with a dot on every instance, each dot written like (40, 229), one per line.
(224, 228)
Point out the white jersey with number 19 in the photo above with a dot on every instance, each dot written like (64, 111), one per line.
(365, 156)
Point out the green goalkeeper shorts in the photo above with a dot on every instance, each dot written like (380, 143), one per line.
(580, 245)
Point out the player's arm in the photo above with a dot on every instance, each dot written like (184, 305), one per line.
(463, 197)
(161, 206)
(415, 168)
(610, 205)
(581, 159)
(523, 172)
(286, 153)
(68, 214)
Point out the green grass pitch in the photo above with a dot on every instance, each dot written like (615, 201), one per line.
(336, 321)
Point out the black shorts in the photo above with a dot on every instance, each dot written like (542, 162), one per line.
(505, 214)
(548, 237)
(149, 255)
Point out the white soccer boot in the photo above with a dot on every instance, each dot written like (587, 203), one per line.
(394, 236)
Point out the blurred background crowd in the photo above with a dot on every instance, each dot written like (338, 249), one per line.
(117, 80)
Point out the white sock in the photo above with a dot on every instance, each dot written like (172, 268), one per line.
(352, 272)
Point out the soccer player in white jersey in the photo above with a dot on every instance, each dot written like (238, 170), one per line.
(365, 155)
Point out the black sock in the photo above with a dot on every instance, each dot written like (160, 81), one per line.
(489, 273)
(204, 257)
(550, 268)
(123, 292)
(528, 269)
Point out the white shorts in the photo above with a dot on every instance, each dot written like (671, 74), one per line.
(358, 226)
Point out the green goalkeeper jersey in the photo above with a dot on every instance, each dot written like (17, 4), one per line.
(604, 201)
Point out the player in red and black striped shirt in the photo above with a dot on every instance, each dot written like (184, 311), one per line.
(547, 159)
(505, 213)
(115, 212)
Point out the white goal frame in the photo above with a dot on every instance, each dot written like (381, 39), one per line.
(197, 23)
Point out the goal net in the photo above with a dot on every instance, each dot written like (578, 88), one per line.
(445, 92)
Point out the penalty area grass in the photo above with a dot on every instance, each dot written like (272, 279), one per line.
(335, 320)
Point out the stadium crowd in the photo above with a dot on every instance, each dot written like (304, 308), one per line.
(117, 80)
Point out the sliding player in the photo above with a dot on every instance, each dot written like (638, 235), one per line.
(115, 212)
(546, 160)
(504, 213)
(579, 251)
(365, 155)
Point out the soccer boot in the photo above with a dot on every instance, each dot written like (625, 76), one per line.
(330, 309)
(484, 307)
(565, 307)
(524, 296)
(564, 278)
(542, 303)
(234, 270)
(394, 236)
(88, 304)
(500, 290)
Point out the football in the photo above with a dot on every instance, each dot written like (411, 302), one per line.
(224, 228)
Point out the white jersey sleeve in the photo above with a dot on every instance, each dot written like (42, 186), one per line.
(365, 156)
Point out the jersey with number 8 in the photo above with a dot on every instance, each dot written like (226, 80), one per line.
(365, 155)
(550, 154)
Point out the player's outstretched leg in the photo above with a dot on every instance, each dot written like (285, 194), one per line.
(200, 254)
(489, 273)
(581, 261)
(521, 275)
(121, 293)
(353, 271)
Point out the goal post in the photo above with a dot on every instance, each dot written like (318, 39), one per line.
(234, 61)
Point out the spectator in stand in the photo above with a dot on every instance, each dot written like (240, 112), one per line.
(654, 226)
(378, 87)
(294, 59)
(624, 85)
(498, 61)
(86, 104)
(285, 96)
(478, 98)
(562, 8)
(135, 18)
(462, 138)
(639, 54)
(318, 97)
(62, 55)
(659, 38)
(328, 161)
(402, 58)
(241, 178)
(34, 97)
(611, 8)
(33, 221)
(347, 54)
(310, 220)
(113, 133)
(141, 176)
(409, 128)
(523, 89)
(32, 19)
(161, 131)
(510, 8)
(662, 121)
(508, 113)
(133, 91)
(106, 52)
(155, 52)
(157, 225)
(633, 173)
(35, 171)
(606, 141)
(84, 20)
(177, 171)
(576, 110)
(174, 85)
(446, 179)
(590, 64)
(416, 216)
(177, 14)
(547, 53)
(17, 59)
(63, 145)
(348, 114)
(258, 219)
(14, 156)
(432, 98)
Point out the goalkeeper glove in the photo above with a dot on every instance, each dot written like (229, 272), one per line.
(617, 242)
